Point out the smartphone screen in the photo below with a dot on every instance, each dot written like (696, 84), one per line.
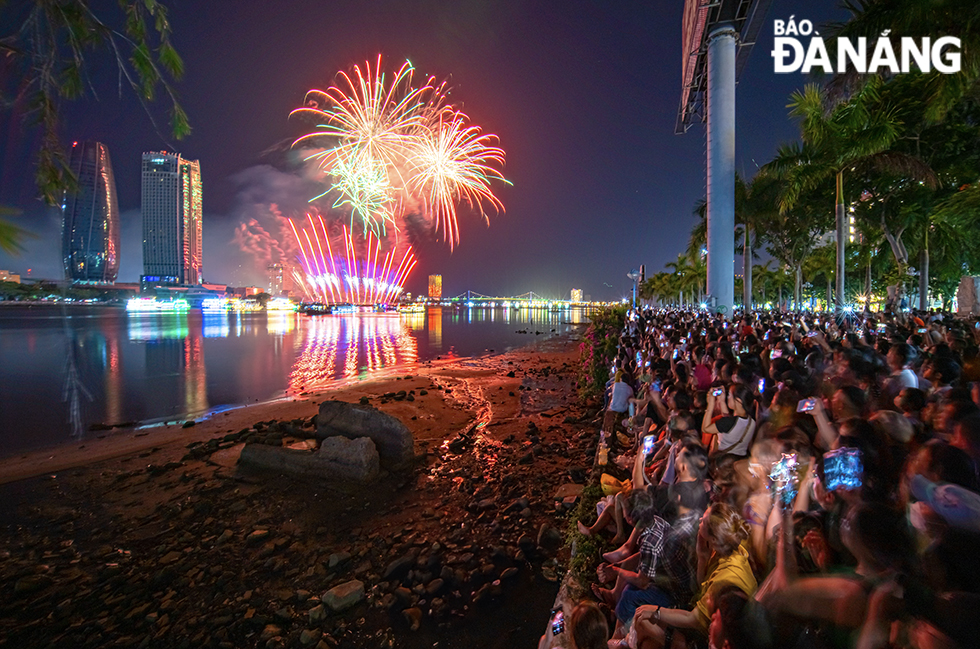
(762, 386)
(648, 443)
(806, 405)
(843, 468)
(557, 623)
(786, 478)
(776, 353)
(717, 392)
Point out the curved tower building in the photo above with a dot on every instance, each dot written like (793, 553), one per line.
(90, 229)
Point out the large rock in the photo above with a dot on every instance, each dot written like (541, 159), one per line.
(359, 454)
(344, 596)
(391, 437)
(343, 460)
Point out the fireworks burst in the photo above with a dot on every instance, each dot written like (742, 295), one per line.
(341, 277)
(390, 145)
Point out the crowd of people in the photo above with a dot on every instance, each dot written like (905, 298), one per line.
(797, 480)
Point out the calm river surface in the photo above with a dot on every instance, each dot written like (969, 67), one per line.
(63, 370)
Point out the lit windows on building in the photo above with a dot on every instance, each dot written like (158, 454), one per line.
(90, 223)
(435, 287)
(172, 218)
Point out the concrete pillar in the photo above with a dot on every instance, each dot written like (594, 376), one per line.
(721, 168)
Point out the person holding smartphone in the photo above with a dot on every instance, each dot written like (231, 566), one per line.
(734, 426)
(586, 628)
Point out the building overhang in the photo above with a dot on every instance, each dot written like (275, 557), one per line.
(699, 20)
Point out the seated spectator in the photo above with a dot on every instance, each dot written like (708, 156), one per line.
(721, 561)
(618, 402)
(738, 622)
(735, 426)
(634, 576)
(586, 629)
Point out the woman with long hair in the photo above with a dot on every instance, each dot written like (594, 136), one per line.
(723, 562)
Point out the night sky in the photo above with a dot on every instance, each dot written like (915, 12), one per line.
(584, 97)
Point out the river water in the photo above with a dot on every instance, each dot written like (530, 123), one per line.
(66, 371)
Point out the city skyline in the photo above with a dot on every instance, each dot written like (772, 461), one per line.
(584, 101)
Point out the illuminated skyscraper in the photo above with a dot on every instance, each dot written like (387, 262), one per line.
(90, 228)
(435, 287)
(576, 295)
(276, 279)
(172, 219)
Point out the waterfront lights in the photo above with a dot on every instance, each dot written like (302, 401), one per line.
(151, 304)
(214, 304)
(280, 304)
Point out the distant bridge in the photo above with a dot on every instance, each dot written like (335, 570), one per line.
(527, 300)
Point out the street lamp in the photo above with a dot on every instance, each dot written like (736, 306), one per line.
(634, 275)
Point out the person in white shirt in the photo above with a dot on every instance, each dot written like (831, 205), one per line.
(899, 359)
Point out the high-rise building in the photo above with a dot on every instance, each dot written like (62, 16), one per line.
(576, 295)
(90, 227)
(435, 287)
(172, 220)
(276, 279)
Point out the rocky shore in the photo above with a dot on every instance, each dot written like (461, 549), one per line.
(164, 540)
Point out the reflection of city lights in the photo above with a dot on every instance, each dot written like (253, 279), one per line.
(215, 324)
(365, 342)
(167, 325)
(281, 322)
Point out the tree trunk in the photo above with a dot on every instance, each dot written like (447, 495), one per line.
(797, 286)
(746, 273)
(829, 301)
(895, 242)
(867, 279)
(841, 216)
(924, 279)
(780, 303)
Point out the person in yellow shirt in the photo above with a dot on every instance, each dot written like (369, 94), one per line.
(723, 562)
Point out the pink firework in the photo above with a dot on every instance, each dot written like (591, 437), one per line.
(359, 273)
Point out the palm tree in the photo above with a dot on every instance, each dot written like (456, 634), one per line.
(682, 274)
(820, 265)
(750, 203)
(11, 236)
(916, 19)
(851, 134)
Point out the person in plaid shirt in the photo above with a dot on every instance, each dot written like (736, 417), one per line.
(635, 575)
(677, 575)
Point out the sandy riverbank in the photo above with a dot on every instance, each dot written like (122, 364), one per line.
(133, 540)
